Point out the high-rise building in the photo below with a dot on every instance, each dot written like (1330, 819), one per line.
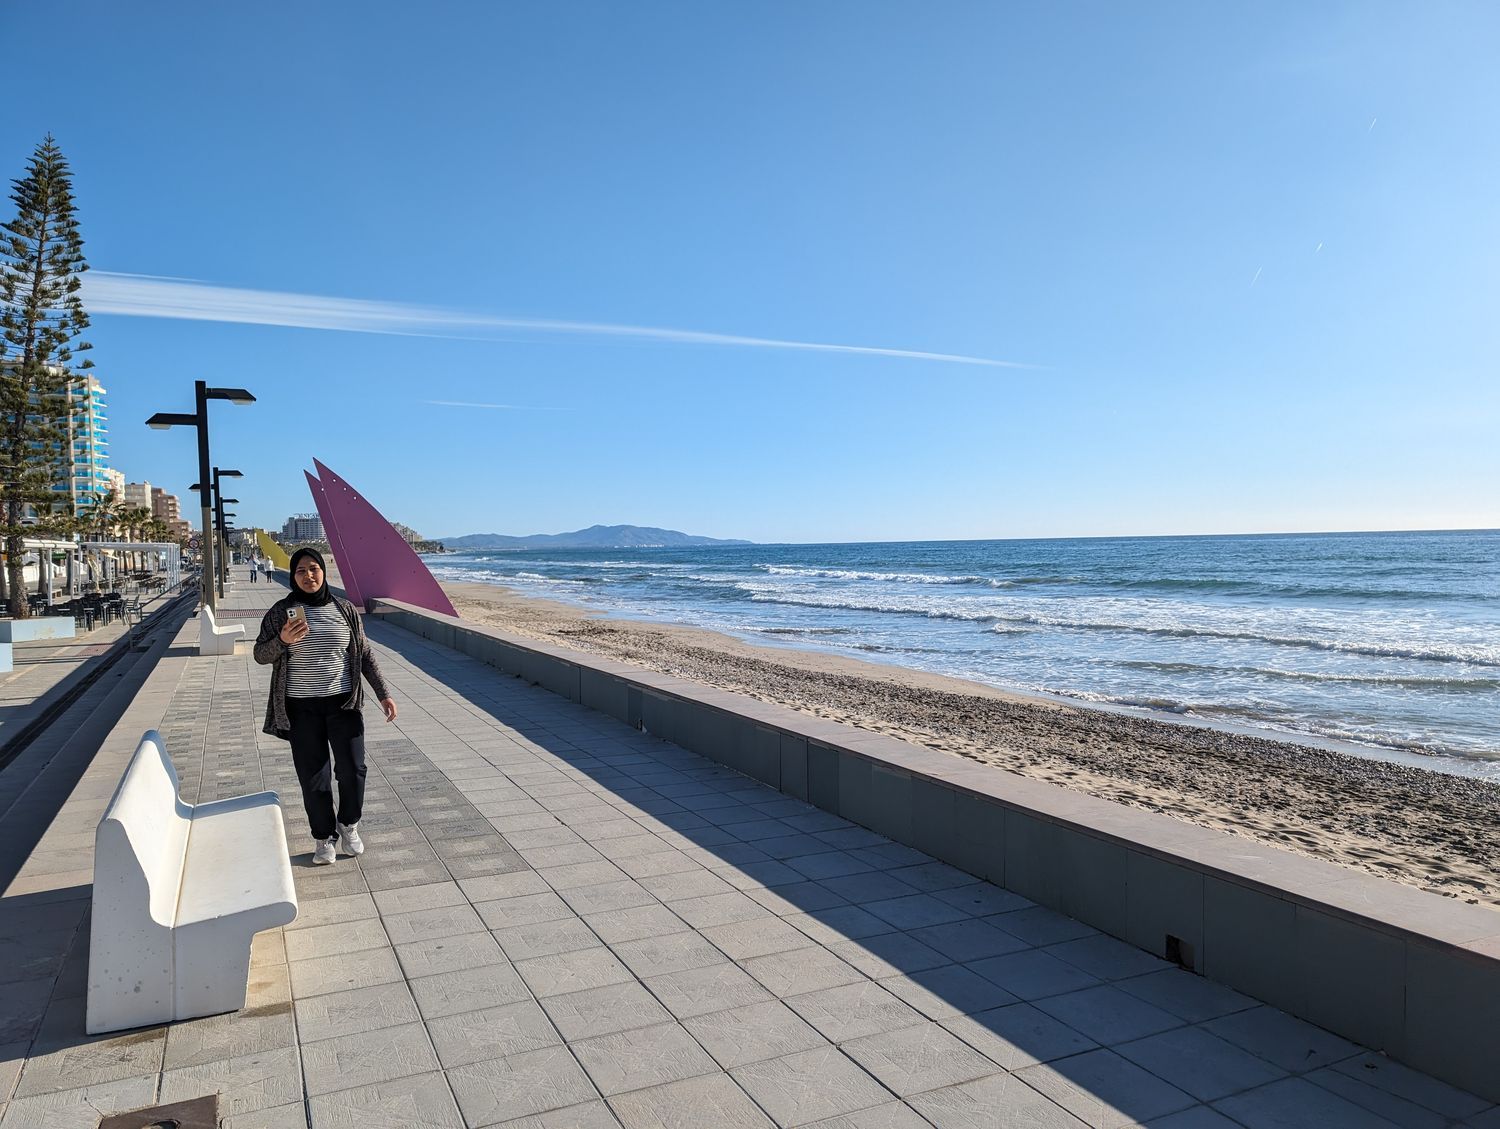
(86, 475)
(302, 527)
(137, 495)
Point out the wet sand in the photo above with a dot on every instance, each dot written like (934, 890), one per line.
(1426, 829)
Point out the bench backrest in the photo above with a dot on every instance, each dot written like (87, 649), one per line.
(152, 823)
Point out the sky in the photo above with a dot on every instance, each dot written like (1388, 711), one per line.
(803, 272)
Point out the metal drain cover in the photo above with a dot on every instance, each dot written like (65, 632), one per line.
(197, 1113)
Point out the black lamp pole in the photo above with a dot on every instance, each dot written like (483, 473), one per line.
(202, 394)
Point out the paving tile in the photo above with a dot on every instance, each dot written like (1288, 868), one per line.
(1189, 997)
(578, 874)
(1380, 1102)
(330, 911)
(519, 1085)
(561, 973)
(496, 886)
(642, 1057)
(801, 970)
(491, 1033)
(1108, 958)
(756, 937)
(397, 1103)
(914, 911)
(910, 1060)
(1033, 974)
(413, 898)
(889, 954)
(635, 923)
(449, 954)
(939, 993)
(1000, 1101)
(359, 1060)
(852, 1011)
(1295, 1102)
(526, 909)
(692, 1103)
(604, 1010)
(359, 1009)
(81, 1107)
(607, 896)
(1108, 1015)
(292, 1116)
(1018, 1035)
(1199, 1063)
(719, 909)
(714, 987)
(742, 1035)
(467, 989)
(427, 924)
(698, 883)
(521, 942)
(234, 1035)
(969, 940)
(797, 897)
(1403, 1082)
(839, 923)
(245, 1085)
(64, 1058)
(1278, 1038)
(675, 952)
(809, 1086)
(329, 940)
(1104, 1090)
(1041, 926)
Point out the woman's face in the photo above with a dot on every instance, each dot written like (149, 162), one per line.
(309, 576)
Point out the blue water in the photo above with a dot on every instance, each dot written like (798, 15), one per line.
(1387, 640)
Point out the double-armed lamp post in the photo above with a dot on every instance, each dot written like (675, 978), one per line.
(222, 543)
(202, 394)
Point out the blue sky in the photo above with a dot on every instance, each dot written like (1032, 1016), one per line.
(1237, 263)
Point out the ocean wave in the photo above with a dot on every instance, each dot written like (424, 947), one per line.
(1392, 680)
(913, 577)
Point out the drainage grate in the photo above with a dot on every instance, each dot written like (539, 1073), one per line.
(197, 1113)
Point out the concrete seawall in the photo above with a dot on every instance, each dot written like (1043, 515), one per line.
(1406, 972)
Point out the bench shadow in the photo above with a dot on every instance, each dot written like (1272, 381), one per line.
(977, 959)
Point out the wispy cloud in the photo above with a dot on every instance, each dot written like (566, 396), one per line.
(150, 296)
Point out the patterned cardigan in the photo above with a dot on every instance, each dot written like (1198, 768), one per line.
(270, 649)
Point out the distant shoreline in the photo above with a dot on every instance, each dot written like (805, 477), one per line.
(1428, 829)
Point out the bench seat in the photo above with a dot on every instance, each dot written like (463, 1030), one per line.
(180, 890)
(214, 638)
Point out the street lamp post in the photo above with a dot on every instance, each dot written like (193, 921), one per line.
(202, 394)
(221, 544)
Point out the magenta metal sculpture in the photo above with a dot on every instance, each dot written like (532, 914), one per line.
(348, 572)
(374, 560)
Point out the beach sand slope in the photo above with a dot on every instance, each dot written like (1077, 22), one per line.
(1427, 829)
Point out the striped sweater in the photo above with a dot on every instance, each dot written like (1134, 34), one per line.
(270, 650)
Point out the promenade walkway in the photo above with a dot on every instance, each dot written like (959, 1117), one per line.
(562, 922)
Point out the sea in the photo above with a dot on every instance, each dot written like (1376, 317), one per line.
(1384, 643)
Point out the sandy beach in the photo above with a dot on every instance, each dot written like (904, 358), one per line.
(1427, 829)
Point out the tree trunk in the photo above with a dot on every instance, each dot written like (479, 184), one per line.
(19, 608)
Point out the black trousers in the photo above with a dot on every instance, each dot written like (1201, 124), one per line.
(320, 727)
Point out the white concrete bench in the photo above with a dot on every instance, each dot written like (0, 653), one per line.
(179, 892)
(213, 639)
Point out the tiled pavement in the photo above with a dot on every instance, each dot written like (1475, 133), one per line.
(561, 922)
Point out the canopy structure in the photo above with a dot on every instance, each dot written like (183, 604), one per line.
(171, 554)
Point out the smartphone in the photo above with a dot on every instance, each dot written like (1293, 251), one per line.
(295, 614)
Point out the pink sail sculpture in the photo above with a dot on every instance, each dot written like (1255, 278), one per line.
(374, 560)
(347, 572)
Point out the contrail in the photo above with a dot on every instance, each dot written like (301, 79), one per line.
(150, 296)
(1256, 279)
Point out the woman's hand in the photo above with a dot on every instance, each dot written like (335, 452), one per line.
(389, 705)
(292, 630)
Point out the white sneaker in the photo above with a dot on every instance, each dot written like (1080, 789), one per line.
(325, 853)
(349, 839)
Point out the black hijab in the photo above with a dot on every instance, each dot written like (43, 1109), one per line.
(322, 595)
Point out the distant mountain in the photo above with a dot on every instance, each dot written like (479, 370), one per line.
(594, 537)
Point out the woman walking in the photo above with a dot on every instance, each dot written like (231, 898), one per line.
(318, 651)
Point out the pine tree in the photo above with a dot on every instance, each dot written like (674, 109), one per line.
(41, 316)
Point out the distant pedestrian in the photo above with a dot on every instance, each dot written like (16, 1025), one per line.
(317, 648)
(254, 571)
